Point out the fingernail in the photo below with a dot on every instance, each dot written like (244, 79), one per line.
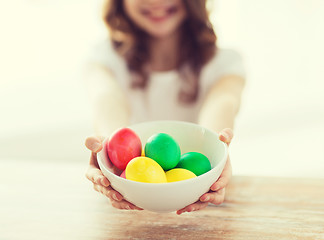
(225, 135)
(103, 182)
(115, 197)
(215, 188)
(189, 209)
(205, 199)
(128, 207)
(97, 180)
(96, 146)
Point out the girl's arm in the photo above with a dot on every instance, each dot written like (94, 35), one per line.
(218, 113)
(111, 111)
(110, 106)
(222, 103)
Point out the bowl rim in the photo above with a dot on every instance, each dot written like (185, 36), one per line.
(220, 163)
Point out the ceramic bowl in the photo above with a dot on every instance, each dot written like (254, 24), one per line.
(168, 197)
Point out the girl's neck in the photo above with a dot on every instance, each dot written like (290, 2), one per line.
(164, 52)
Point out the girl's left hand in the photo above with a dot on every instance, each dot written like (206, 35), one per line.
(216, 195)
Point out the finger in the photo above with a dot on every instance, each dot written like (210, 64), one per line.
(125, 205)
(224, 178)
(193, 207)
(93, 160)
(214, 197)
(94, 144)
(115, 197)
(226, 135)
(95, 175)
(94, 163)
(180, 211)
(107, 160)
(105, 182)
(108, 192)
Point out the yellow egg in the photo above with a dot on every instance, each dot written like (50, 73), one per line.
(179, 174)
(143, 153)
(144, 169)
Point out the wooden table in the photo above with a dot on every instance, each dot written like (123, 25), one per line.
(47, 200)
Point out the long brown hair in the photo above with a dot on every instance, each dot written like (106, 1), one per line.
(197, 45)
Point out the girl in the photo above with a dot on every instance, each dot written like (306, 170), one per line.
(161, 63)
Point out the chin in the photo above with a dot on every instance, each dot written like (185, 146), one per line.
(160, 32)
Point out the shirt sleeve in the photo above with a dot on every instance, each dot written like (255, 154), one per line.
(225, 62)
(104, 54)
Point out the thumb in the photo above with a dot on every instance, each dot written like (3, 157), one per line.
(94, 144)
(226, 135)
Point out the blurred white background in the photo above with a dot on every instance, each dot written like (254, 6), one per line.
(44, 110)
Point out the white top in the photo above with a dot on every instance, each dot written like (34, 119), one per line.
(159, 101)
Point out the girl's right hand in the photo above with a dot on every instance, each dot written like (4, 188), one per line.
(100, 182)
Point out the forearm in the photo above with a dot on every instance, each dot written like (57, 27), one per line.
(219, 113)
(109, 115)
(109, 103)
(222, 104)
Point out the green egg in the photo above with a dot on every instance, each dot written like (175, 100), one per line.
(195, 162)
(164, 150)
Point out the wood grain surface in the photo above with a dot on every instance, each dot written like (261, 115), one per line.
(48, 200)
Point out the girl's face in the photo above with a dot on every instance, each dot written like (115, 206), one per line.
(159, 18)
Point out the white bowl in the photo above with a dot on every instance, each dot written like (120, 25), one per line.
(168, 197)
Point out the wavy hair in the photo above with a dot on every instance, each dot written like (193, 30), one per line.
(198, 45)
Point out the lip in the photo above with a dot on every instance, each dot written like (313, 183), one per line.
(159, 19)
(168, 12)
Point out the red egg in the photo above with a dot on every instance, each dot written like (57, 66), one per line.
(123, 145)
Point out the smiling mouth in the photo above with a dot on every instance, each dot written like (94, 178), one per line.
(161, 14)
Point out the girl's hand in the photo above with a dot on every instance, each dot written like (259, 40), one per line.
(216, 193)
(100, 182)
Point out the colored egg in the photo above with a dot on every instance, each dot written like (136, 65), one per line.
(123, 145)
(164, 150)
(195, 162)
(144, 169)
(143, 153)
(179, 174)
(123, 174)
